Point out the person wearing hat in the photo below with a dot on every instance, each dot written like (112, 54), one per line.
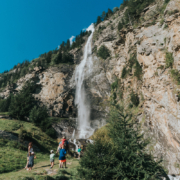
(52, 157)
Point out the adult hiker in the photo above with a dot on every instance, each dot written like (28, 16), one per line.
(30, 149)
(62, 157)
(32, 156)
(63, 142)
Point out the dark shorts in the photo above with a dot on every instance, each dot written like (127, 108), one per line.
(62, 157)
(51, 160)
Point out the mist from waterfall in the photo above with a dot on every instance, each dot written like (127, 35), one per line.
(84, 70)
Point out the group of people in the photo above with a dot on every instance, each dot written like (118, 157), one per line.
(62, 149)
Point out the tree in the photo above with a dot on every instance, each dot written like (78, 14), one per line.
(22, 103)
(48, 57)
(115, 9)
(38, 114)
(68, 45)
(98, 20)
(124, 157)
(109, 13)
(103, 16)
(5, 103)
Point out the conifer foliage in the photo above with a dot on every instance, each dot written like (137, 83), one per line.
(122, 158)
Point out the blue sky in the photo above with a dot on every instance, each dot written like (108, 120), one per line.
(29, 28)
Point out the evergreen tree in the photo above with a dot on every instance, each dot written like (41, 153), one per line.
(122, 158)
(22, 103)
(68, 45)
(103, 16)
(98, 20)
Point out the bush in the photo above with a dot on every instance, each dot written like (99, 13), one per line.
(103, 52)
(175, 75)
(134, 98)
(138, 70)
(124, 72)
(169, 60)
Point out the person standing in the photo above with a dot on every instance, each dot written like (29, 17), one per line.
(52, 157)
(79, 152)
(32, 156)
(30, 149)
(62, 157)
(63, 142)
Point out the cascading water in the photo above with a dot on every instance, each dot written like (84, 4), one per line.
(82, 70)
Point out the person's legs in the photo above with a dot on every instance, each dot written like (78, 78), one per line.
(52, 164)
(61, 164)
(27, 163)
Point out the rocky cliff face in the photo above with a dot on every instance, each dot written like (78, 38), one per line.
(159, 109)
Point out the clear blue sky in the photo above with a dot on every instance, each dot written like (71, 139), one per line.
(29, 28)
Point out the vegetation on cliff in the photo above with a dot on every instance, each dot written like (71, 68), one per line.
(24, 107)
(123, 153)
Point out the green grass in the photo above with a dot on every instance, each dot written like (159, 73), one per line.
(33, 133)
(13, 154)
(11, 158)
(4, 113)
(39, 171)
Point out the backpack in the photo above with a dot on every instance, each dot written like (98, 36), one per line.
(64, 142)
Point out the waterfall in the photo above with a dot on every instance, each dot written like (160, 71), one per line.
(84, 70)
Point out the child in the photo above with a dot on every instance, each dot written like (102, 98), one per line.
(52, 156)
(31, 160)
(79, 152)
(62, 157)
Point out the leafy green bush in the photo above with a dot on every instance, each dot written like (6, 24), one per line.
(103, 52)
(169, 60)
(134, 98)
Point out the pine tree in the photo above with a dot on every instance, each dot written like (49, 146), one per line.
(22, 103)
(124, 157)
(103, 15)
(98, 20)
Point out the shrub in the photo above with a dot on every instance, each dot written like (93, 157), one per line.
(103, 52)
(169, 60)
(124, 72)
(138, 70)
(114, 85)
(175, 75)
(134, 98)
